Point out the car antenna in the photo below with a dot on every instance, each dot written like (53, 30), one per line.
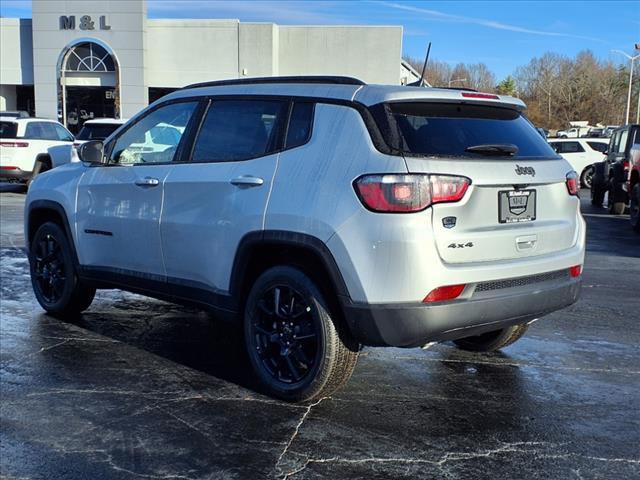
(420, 82)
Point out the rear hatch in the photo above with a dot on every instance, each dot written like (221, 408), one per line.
(518, 203)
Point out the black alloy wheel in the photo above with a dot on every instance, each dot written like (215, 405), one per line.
(297, 344)
(285, 334)
(55, 282)
(49, 269)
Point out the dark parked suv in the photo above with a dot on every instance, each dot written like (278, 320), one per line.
(611, 175)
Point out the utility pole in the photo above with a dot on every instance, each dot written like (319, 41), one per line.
(632, 59)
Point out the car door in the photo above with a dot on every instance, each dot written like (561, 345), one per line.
(119, 203)
(218, 197)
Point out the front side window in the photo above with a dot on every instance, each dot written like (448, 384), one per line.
(62, 133)
(155, 137)
(235, 130)
(465, 130)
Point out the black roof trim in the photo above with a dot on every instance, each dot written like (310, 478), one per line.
(462, 89)
(334, 80)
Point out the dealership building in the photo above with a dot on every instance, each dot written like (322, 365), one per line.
(80, 59)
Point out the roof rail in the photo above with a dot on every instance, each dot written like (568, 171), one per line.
(335, 80)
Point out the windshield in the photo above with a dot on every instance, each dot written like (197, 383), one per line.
(97, 131)
(452, 130)
(8, 129)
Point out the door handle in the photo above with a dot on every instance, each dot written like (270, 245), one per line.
(147, 182)
(247, 181)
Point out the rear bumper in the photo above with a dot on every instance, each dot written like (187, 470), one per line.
(411, 325)
(14, 175)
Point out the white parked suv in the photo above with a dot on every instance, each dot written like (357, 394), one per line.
(582, 153)
(322, 213)
(29, 146)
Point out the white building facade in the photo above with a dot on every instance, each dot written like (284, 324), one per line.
(80, 59)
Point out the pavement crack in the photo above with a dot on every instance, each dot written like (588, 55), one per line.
(516, 447)
(44, 349)
(294, 435)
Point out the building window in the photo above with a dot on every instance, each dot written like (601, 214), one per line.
(89, 57)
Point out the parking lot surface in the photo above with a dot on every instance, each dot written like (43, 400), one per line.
(137, 388)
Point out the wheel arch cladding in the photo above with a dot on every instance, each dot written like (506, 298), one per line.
(42, 211)
(259, 251)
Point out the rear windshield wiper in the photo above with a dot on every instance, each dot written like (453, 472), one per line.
(493, 149)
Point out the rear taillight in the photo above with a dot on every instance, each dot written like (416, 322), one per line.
(408, 193)
(573, 183)
(14, 144)
(575, 271)
(440, 294)
(480, 95)
(9, 168)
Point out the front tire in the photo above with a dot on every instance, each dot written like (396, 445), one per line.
(491, 341)
(296, 344)
(53, 275)
(586, 179)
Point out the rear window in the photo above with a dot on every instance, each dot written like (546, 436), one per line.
(448, 130)
(96, 131)
(598, 146)
(8, 129)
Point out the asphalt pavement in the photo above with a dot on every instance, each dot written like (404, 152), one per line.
(139, 389)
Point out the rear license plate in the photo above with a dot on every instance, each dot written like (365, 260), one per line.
(515, 206)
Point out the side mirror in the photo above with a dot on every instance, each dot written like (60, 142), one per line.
(92, 152)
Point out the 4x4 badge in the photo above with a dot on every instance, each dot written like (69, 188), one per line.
(525, 170)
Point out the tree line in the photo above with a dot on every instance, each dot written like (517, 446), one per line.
(556, 88)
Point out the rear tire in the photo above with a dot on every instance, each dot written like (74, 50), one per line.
(491, 341)
(634, 210)
(298, 348)
(55, 281)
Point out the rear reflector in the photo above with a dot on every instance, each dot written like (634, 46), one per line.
(448, 292)
(14, 144)
(573, 183)
(575, 271)
(480, 95)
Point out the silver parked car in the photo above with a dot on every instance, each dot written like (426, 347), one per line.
(322, 213)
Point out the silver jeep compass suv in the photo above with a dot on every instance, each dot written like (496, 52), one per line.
(324, 214)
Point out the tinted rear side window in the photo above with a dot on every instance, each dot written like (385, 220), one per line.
(96, 131)
(235, 130)
(300, 123)
(8, 129)
(444, 129)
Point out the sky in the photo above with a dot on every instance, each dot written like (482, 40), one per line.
(501, 34)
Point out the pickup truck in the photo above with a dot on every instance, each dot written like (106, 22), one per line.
(614, 175)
